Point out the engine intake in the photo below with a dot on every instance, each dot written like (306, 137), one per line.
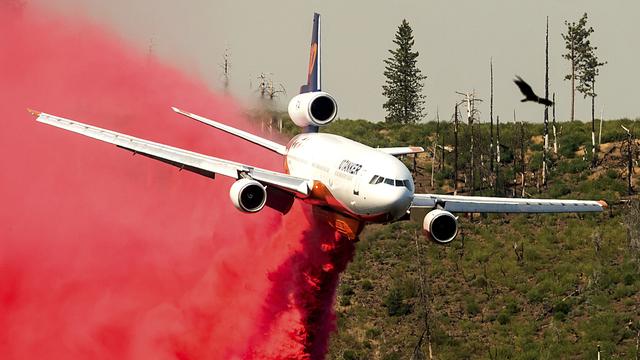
(440, 226)
(313, 108)
(248, 195)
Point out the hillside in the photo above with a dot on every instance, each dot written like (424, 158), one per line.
(510, 286)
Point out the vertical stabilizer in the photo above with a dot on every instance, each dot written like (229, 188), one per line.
(313, 74)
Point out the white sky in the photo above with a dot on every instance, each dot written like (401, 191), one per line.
(455, 41)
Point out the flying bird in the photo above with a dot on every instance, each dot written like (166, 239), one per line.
(528, 93)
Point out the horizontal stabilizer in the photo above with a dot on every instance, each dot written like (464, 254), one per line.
(403, 150)
(271, 145)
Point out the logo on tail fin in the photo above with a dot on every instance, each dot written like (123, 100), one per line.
(313, 57)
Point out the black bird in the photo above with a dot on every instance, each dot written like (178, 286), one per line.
(528, 93)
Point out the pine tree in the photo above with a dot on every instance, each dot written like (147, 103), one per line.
(577, 44)
(403, 87)
(584, 68)
(587, 75)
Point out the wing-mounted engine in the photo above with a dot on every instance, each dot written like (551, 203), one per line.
(316, 108)
(248, 195)
(440, 226)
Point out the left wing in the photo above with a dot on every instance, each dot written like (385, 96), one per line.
(403, 150)
(480, 204)
(188, 160)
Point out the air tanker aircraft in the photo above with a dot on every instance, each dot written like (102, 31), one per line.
(348, 183)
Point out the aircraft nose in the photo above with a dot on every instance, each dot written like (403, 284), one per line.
(401, 203)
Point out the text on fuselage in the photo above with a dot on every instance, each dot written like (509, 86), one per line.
(349, 167)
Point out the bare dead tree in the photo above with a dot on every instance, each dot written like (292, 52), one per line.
(629, 160)
(600, 131)
(455, 150)
(497, 169)
(491, 150)
(555, 134)
(263, 85)
(424, 300)
(434, 146)
(226, 69)
(472, 115)
(268, 93)
(442, 159)
(519, 251)
(545, 148)
(151, 50)
(523, 166)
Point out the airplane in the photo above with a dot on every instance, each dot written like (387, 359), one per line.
(347, 183)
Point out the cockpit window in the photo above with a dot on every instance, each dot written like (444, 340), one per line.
(377, 179)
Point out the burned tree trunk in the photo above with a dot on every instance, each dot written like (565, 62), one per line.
(455, 150)
(491, 150)
(497, 169)
(594, 156)
(555, 133)
(545, 148)
(523, 168)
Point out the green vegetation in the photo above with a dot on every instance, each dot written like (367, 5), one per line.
(572, 284)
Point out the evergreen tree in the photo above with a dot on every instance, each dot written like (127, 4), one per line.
(577, 44)
(587, 75)
(403, 87)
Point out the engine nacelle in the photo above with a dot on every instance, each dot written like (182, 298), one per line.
(248, 195)
(440, 226)
(313, 108)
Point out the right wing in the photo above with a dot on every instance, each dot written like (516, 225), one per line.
(481, 204)
(188, 160)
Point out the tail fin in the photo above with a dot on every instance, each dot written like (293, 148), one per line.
(313, 76)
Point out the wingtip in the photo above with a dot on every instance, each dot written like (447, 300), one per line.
(176, 109)
(603, 204)
(34, 112)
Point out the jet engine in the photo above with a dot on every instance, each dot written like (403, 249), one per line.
(313, 108)
(248, 195)
(440, 226)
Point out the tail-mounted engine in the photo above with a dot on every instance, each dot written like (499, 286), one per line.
(248, 195)
(313, 108)
(440, 226)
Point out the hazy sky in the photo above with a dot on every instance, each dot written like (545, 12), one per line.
(455, 41)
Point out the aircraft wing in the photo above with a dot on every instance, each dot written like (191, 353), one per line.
(188, 160)
(403, 150)
(480, 204)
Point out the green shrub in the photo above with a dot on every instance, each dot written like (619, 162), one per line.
(395, 304)
(512, 307)
(473, 308)
(503, 318)
(373, 333)
(559, 189)
(366, 285)
(561, 310)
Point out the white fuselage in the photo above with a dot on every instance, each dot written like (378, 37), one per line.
(344, 172)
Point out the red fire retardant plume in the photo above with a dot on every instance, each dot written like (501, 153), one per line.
(105, 255)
